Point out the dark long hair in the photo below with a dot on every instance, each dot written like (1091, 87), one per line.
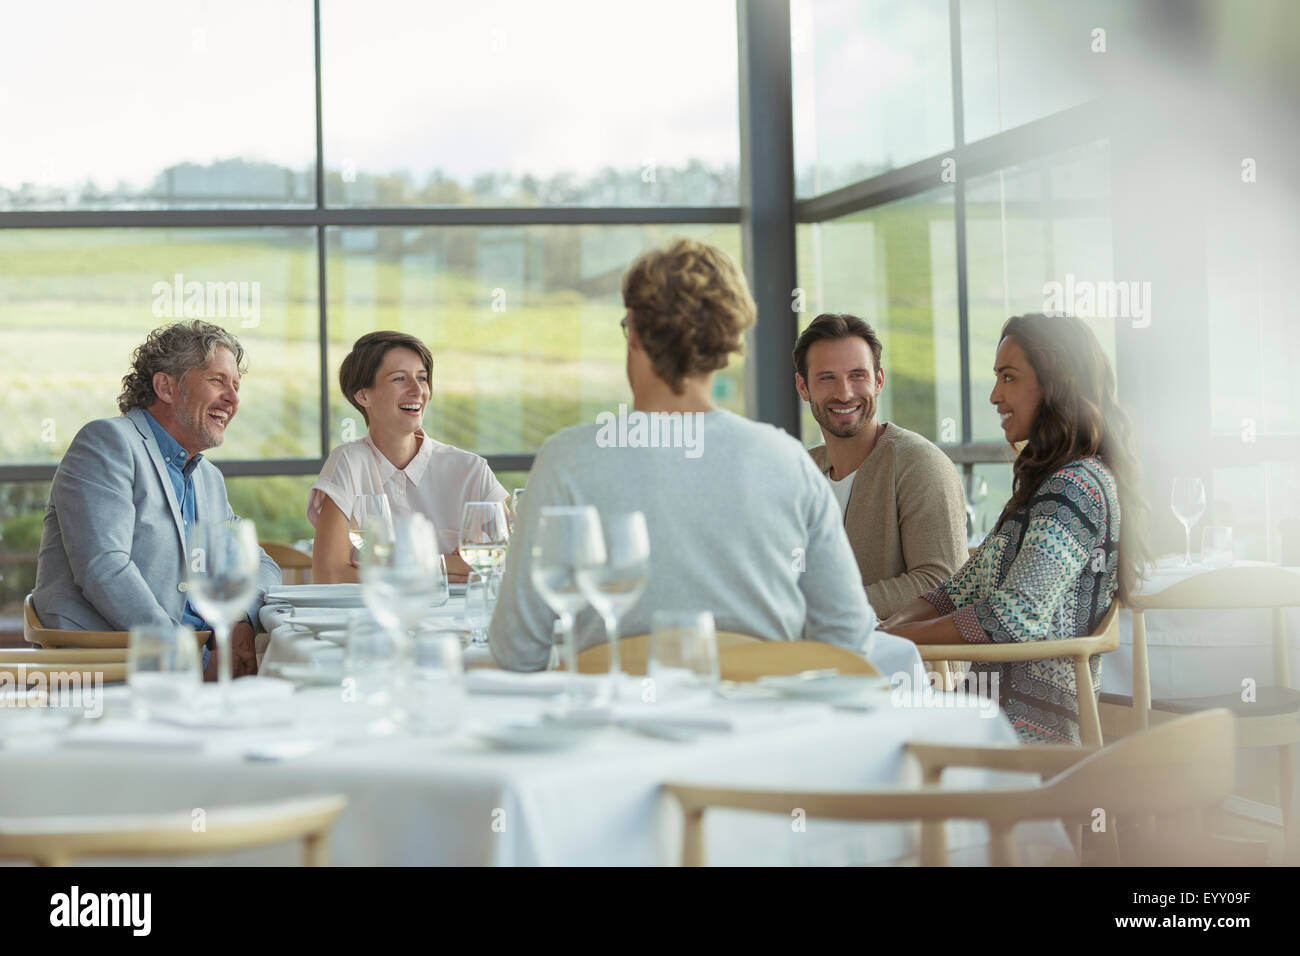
(1079, 416)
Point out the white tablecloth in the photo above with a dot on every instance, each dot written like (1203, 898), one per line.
(455, 800)
(1199, 653)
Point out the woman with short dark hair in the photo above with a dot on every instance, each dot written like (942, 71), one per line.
(1056, 559)
(387, 377)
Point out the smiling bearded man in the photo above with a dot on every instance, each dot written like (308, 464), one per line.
(904, 510)
(128, 489)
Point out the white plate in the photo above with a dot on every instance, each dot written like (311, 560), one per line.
(536, 735)
(837, 687)
(317, 595)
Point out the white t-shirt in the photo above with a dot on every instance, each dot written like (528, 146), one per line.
(436, 483)
(842, 488)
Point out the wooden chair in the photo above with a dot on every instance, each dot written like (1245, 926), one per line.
(634, 651)
(1079, 649)
(1184, 765)
(107, 665)
(54, 841)
(1271, 718)
(295, 565)
(47, 637)
(750, 661)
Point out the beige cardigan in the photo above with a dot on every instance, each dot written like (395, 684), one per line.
(906, 518)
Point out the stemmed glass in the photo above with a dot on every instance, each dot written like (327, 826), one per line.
(400, 573)
(614, 587)
(484, 534)
(224, 564)
(371, 514)
(569, 542)
(1188, 502)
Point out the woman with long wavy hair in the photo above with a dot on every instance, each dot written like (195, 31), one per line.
(1056, 559)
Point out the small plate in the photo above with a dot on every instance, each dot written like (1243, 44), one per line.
(834, 687)
(536, 735)
(317, 595)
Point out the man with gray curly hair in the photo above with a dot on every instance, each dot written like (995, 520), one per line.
(128, 489)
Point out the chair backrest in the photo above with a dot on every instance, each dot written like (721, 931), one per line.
(634, 652)
(23, 665)
(36, 633)
(1185, 764)
(54, 841)
(1226, 589)
(750, 661)
(295, 566)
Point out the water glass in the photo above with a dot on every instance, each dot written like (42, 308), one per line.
(433, 688)
(372, 662)
(162, 669)
(1216, 547)
(683, 657)
(478, 607)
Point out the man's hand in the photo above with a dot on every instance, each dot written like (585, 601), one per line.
(244, 660)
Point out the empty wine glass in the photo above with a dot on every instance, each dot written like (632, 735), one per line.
(1188, 503)
(615, 586)
(399, 572)
(222, 580)
(371, 514)
(569, 542)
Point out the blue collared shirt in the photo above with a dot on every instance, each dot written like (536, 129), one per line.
(180, 468)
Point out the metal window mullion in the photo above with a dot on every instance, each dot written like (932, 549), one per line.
(321, 282)
(959, 217)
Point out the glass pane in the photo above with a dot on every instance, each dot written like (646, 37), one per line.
(895, 267)
(277, 503)
(1038, 239)
(1022, 60)
(22, 511)
(178, 103)
(76, 303)
(987, 493)
(872, 87)
(518, 104)
(523, 322)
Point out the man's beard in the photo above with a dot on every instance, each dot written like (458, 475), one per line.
(204, 428)
(828, 423)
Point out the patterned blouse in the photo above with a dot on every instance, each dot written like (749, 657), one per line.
(1048, 572)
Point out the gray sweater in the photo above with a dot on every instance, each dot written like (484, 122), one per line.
(741, 524)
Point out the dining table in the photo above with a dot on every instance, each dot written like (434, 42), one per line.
(477, 793)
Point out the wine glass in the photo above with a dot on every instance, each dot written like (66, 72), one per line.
(399, 573)
(370, 514)
(569, 542)
(515, 497)
(223, 575)
(614, 587)
(484, 534)
(1188, 502)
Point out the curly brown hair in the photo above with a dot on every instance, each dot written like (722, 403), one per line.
(174, 349)
(689, 306)
(1079, 416)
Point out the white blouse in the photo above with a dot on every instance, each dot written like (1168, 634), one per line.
(436, 483)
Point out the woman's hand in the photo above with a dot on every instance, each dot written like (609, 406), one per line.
(918, 610)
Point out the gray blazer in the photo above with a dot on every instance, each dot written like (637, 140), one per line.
(113, 544)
